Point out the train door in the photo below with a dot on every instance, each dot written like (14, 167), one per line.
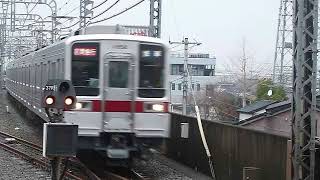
(118, 92)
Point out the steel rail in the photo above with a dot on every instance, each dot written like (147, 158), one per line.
(74, 162)
(43, 162)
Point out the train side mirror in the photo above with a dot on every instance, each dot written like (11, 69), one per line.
(59, 94)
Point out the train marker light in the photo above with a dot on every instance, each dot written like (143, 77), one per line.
(50, 100)
(78, 105)
(158, 107)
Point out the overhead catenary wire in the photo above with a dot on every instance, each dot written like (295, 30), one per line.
(99, 5)
(176, 46)
(77, 7)
(28, 12)
(70, 26)
(117, 14)
(67, 2)
(105, 10)
(184, 49)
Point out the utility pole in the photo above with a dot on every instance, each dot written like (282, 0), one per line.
(243, 69)
(155, 18)
(186, 43)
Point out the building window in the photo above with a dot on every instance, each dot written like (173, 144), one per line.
(173, 86)
(179, 86)
(209, 70)
(196, 70)
(198, 87)
(176, 69)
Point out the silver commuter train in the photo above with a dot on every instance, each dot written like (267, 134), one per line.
(121, 85)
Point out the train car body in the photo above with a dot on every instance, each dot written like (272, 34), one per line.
(120, 82)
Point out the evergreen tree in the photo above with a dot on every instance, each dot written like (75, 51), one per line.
(278, 93)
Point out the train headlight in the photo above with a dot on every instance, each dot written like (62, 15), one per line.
(158, 107)
(78, 105)
(68, 101)
(49, 100)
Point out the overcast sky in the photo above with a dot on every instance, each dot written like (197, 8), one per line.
(220, 25)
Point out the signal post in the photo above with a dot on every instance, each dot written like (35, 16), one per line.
(59, 138)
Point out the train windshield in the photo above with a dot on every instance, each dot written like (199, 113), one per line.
(151, 80)
(85, 68)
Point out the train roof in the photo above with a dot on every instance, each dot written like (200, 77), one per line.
(114, 37)
(94, 37)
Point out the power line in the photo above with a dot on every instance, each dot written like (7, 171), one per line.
(175, 46)
(99, 5)
(33, 7)
(28, 12)
(63, 5)
(71, 11)
(70, 26)
(117, 14)
(184, 49)
(105, 10)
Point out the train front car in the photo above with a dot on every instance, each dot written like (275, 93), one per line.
(122, 93)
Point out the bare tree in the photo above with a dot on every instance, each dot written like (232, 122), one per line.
(218, 105)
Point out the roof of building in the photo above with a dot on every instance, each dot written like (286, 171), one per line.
(278, 106)
(257, 106)
(271, 110)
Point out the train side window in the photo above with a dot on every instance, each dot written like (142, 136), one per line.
(49, 71)
(58, 69)
(34, 75)
(53, 70)
(41, 69)
(118, 74)
(36, 67)
(38, 83)
(23, 75)
(28, 75)
(44, 76)
(62, 68)
(19, 74)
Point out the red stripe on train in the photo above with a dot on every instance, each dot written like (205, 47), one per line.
(117, 106)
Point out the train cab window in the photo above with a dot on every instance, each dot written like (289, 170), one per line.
(151, 71)
(118, 74)
(85, 68)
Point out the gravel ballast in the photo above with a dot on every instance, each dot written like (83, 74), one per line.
(13, 123)
(13, 167)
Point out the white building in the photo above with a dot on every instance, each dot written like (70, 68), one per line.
(201, 69)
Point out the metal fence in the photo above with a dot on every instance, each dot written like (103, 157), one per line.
(238, 153)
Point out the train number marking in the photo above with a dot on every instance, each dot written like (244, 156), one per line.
(50, 88)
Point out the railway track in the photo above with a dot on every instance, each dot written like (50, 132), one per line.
(77, 170)
(132, 175)
(29, 151)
